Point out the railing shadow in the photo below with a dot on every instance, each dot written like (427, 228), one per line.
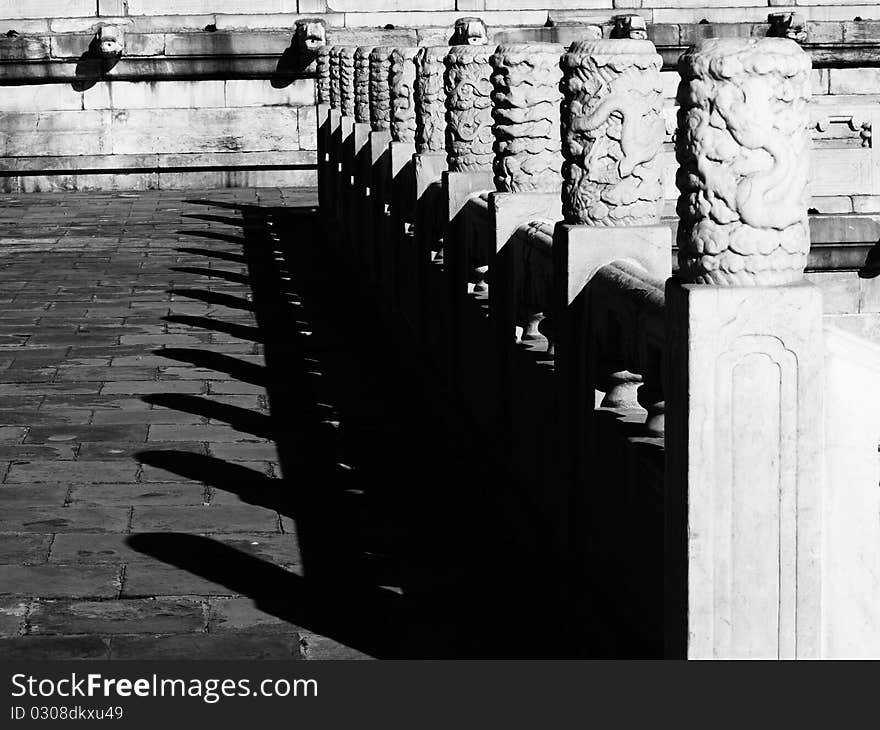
(399, 553)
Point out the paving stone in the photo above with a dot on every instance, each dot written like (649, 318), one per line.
(24, 548)
(104, 374)
(12, 434)
(16, 496)
(137, 494)
(60, 581)
(75, 434)
(94, 548)
(37, 648)
(43, 452)
(254, 451)
(131, 387)
(12, 615)
(206, 432)
(206, 646)
(314, 646)
(63, 519)
(107, 450)
(74, 472)
(152, 578)
(126, 616)
(156, 415)
(243, 614)
(231, 518)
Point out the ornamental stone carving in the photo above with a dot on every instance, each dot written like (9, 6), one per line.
(380, 92)
(111, 41)
(335, 91)
(743, 146)
(430, 99)
(346, 80)
(362, 84)
(470, 32)
(469, 137)
(525, 107)
(612, 132)
(323, 69)
(309, 36)
(402, 81)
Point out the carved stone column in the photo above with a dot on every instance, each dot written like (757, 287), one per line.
(744, 363)
(335, 93)
(469, 138)
(430, 99)
(402, 81)
(744, 149)
(323, 81)
(362, 84)
(380, 92)
(525, 98)
(612, 131)
(346, 80)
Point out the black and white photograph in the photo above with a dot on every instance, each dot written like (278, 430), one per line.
(512, 330)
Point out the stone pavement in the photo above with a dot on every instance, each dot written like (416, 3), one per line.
(202, 459)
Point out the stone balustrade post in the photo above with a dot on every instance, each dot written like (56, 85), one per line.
(744, 362)
(379, 160)
(325, 128)
(402, 100)
(362, 84)
(469, 138)
(612, 133)
(346, 80)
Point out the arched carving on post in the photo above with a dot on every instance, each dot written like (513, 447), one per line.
(402, 82)
(743, 146)
(469, 138)
(525, 107)
(612, 132)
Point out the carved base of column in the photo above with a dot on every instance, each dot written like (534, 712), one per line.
(744, 398)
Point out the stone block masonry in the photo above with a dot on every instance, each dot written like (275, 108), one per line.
(204, 74)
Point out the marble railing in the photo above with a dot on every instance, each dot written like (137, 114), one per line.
(555, 250)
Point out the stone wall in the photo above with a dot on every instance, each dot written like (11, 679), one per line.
(202, 97)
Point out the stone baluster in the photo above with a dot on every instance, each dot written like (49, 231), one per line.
(612, 132)
(362, 84)
(469, 138)
(380, 90)
(346, 80)
(744, 367)
(402, 82)
(430, 99)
